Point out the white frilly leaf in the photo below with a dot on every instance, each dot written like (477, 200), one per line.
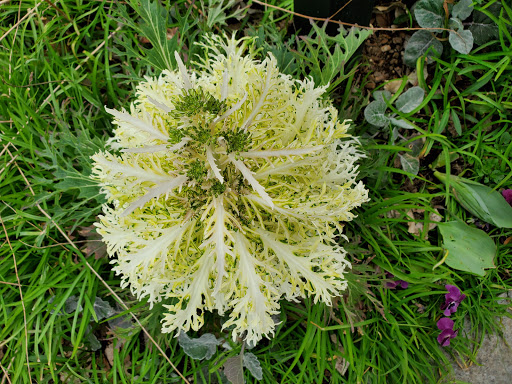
(136, 122)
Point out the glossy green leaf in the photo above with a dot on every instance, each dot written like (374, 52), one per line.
(483, 202)
(469, 249)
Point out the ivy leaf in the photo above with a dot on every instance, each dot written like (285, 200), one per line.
(430, 13)
(71, 305)
(382, 95)
(201, 348)
(421, 43)
(401, 123)
(410, 99)
(93, 341)
(252, 363)
(410, 163)
(374, 113)
(461, 41)
(469, 249)
(455, 24)
(462, 10)
(103, 309)
(233, 369)
(483, 27)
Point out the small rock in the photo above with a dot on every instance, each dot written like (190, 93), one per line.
(385, 48)
(397, 40)
(379, 77)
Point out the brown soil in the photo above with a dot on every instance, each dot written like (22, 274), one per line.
(383, 50)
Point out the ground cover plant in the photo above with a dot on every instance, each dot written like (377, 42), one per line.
(430, 252)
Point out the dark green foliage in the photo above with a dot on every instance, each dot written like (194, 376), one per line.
(218, 188)
(176, 135)
(197, 170)
(196, 101)
(236, 140)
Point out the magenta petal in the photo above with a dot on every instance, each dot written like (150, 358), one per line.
(452, 288)
(444, 337)
(507, 194)
(453, 292)
(403, 284)
(445, 324)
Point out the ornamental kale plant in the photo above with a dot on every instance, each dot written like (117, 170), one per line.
(226, 191)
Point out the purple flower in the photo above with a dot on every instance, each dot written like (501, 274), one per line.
(507, 194)
(447, 333)
(395, 283)
(452, 300)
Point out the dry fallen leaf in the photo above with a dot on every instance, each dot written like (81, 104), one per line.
(393, 86)
(93, 242)
(416, 228)
(109, 354)
(341, 364)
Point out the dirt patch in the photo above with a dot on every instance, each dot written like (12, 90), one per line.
(383, 50)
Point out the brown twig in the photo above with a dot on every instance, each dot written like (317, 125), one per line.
(6, 374)
(329, 20)
(339, 10)
(8, 283)
(15, 26)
